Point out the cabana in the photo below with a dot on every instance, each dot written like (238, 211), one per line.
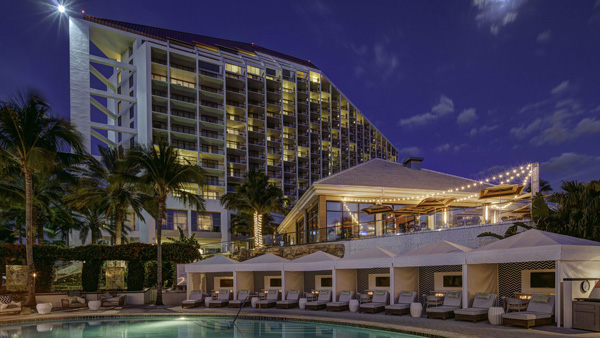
(259, 273)
(364, 270)
(307, 272)
(535, 262)
(436, 267)
(209, 274)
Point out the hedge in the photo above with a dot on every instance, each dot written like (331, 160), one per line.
(135, 275)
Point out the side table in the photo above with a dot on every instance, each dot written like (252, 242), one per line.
(302, 303)
(416, 309)
(94, 305)
(43, 308)
(495, 315)
(353, 305)
(254, 301)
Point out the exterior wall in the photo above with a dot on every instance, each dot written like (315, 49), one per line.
(466, 236)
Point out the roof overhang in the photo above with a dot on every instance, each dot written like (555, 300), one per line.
(501, 190)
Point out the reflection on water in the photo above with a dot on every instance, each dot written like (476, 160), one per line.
(188, 327)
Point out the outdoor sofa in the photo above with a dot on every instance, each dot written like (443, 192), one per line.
(222, 299)
(112, 299)
(403, 305)
(540, 311)
(75, 300)
(479, 310)
(321, 302)
(271, 299)
(8, 306)
(196, 299)
(378, 302)
(290, 301)
(342, 303)
(452, 301)
(242, 299)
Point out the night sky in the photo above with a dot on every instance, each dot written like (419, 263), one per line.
(472, 86)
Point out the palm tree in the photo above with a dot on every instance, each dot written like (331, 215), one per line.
(256, 197)
(545, 187)
(93, 221)
(33, 140)
(107, 183)
(165, 173)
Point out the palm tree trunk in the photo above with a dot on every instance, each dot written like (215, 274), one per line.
(38, 226)
(29, 238)
(258, 238)
(161, 209)
(119, 226)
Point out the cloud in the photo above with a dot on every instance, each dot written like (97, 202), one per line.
(494, 29)
(467, 116)
(560, 88)
(442, 148)
(496, 14)
(570, 166)
(482, 130)
(544, 37)
(411, 151)
(587, 126)
(509, 17)
(445, 106)
(524, 131)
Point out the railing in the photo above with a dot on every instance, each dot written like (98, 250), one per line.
(157, 92)
(159, 77)
(211, 89)
(232, 117)
(256, 103)
(255, 77)
(182, 113)
(235, 145)
(256, 129)
(209, 74)
(205, 133)
(211, 165)
(183, 98)
(210, 119)
(159, 109)
(211, 150)
(257, 116)
(183, 83)
(182, 67)
(159, 61)
(236, 104)
(183, 129)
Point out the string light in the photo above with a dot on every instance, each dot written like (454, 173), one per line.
(258, 238)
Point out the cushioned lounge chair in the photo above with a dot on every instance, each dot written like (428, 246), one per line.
(321, 302)
(196, 299)
(242, 298)
(221, 301)
(540, 311)
(8, 306)
(271, 299)
(452, 301)
(342, 303)
(479, 311)
(113, 301)
(403, 305)
(290, 301)
(75, 300)
(379, 301)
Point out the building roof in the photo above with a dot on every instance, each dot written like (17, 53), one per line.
(385, 174)
(192, 39)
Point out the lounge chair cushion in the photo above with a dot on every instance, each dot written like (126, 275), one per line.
(72, 299)
(452, 299)
(81, 300)
(191, 301)
(337, 304)
(407, 297)
(484, 300)
(372, 305)
(540, 306)
(288, 301)
(526, 315)
(442, 309)
(471, 311)
(398, 306)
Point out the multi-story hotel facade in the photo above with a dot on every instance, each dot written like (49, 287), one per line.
(228, 106)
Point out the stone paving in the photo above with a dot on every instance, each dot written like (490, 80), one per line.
(407, 324)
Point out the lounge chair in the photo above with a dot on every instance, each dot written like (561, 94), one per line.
(479, 311)
(196, 299)
(403, 305)
(539, 311)
(75, 300)
(290, 301)
(452, 301)
(342, 303)
(242, 298)
(377, 304)
(271, 300)
(321, 302)
(112, 300)
(8, 306)
(221, 301)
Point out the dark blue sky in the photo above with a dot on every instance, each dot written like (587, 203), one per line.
(469, 85)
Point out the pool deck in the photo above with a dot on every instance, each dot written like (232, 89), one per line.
(405, 324)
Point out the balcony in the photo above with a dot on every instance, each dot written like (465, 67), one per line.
(160, 125)
(255, 77)
(256, 103)
(237, 132)
(235, 174)
(183, 129)
(182, 113)
(255, 154)
(159, 77)
(232, 117)
(257, 116)
(236, 104)
(182, 67)
(183, 98)
(256, 129)
(210, 74)
(184, 145)
(211, 90)
(210, 119)
(211, 134)
(235, 146)
(256, 142)
(216, 182)
(274, 103)
(159, 109)
(159, 61)
(161, 93)
(211, 165)
(211, 150)
(183, 83)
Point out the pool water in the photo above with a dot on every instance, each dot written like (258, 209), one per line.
(189, 327)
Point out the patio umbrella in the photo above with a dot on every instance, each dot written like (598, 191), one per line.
(436, 202)
(377, 209)
(501, 190)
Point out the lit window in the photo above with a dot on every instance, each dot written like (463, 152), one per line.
(254, 70)
(206, 221)
(175, 218)
(315, 77)
(233, 68)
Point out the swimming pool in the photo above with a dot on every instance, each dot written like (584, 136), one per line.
(189, 327)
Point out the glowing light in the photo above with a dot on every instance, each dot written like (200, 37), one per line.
(61, 8)
(258, 238)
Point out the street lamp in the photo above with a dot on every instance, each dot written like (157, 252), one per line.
(61, 8)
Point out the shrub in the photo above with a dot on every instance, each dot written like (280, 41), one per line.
(135, 275)
(90, 275)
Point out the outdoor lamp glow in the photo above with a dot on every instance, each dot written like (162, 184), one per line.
(61, 8)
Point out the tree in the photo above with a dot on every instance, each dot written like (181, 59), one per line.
(107, 183)
(545, 187)
(511, 231)
(165, 173)
(183, 239)
(93, 221)
(34, 140)
(256, 197)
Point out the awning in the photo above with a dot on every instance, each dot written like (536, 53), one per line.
(439, 253)
(377, 209)
(414, 210)
(501, 190)
(266, 262)
(218, 263)
(316, 261)
(369, 258)
(437, 202)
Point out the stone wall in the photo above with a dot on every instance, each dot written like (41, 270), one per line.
(292, 252)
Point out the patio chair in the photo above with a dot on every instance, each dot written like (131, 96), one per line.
(377, 304)
(515, 304)
(342, 303)
(290, 301)
(242, 298)
(540, 311)
(221, 301)
(479, 310)
(403, 305)
(271, 300)
(452, 301)
(196, 299)
(321, 302)
(8, 306)
(433, 301)
(75, 300)
(112, 299)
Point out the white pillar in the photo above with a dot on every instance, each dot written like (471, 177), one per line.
(392, 285)
(558, 295)
(465, 287)
(535, 179)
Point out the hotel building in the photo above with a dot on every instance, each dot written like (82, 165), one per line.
(228, 106)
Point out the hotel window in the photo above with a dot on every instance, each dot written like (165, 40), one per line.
(209, 66)
(300, 231)
(254, 70)
(313, 224)
(233, 68)
(131, 81)
(132, 142)
(271, 72)
(131, 125)
(131, 220)
(206, 221)
(119, 120)
(130, 51)
(119, 106)
(131, 112)
(175, 218)
(210, 195)
(118, 77)
(119, 90)
(120, 137)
